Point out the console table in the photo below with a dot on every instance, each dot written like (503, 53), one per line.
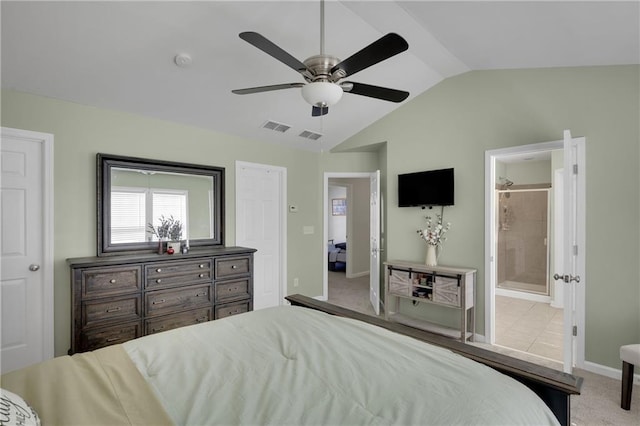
(447, 286)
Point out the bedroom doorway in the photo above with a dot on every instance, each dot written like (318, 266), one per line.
(527, 243)
(351, 234)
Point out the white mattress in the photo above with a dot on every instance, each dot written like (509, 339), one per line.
(294, 366)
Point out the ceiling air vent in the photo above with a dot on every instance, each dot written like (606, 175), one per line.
(275, 126)
(310, 135)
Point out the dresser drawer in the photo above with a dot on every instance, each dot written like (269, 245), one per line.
(98, 338)
(109, 310)
(170, 274)
(97, 282)
(229, 267)
(230, 309)
(232, 290)
(169, 301)
(182, 319)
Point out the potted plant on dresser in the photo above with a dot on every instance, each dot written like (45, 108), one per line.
(169, 229)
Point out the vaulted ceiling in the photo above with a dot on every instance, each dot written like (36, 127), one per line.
(121, 55)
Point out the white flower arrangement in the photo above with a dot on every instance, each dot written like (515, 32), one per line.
(433, 235)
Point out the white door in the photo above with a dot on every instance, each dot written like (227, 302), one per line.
(260, 224)
(572, 267)
(374, 223)
(26, 283)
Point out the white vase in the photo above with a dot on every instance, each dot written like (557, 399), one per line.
(432, 259)
(175, 245)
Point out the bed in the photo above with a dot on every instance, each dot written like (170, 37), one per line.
(337, 256)
(285, 365)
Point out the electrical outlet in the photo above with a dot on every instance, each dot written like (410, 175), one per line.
(296, 282)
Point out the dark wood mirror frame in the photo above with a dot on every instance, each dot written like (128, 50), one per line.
(105, 163)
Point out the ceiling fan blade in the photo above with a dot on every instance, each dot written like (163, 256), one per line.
(271, 49)
(318, 111)
(381, 49)
(259, 89)
(377, 92)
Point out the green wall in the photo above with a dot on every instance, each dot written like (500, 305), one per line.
(451, 125)
(81, 131)
(455, 122)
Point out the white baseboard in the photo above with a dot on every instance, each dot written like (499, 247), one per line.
(606, 371)
(357, 274)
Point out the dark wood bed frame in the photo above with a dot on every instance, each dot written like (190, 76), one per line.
(552, 386)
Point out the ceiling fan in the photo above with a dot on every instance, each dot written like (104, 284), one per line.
(323, 72)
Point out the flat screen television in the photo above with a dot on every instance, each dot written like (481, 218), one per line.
(428, 188)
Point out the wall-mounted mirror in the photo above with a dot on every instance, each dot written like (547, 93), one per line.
(136, 192)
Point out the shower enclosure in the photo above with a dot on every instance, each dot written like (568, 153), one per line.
(523, 229)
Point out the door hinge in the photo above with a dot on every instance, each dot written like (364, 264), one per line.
(575, 169)
(575, 250)
(575, 330)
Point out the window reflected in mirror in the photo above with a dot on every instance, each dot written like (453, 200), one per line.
(138, 193)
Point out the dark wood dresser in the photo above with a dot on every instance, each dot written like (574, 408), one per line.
(119, 298)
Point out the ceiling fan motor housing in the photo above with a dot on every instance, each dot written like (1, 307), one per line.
(320, 67)
(321, 90)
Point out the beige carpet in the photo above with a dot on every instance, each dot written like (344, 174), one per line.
(350, 293)
(598, 404)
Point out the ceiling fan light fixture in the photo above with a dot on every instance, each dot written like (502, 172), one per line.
(322, 93)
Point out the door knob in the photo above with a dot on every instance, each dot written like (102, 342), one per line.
(33, 267)
(566, 278)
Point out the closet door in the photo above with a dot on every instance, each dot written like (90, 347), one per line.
(26, 283)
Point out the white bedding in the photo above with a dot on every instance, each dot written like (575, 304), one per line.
(337, 254)
(293, 366)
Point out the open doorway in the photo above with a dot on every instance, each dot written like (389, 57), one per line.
(349, 236)
(528, 312)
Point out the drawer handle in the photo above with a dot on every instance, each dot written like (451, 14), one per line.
(113, 339)
(203, 319)
(201, 266)
(153, 330)
(116, 309)
(234, 267)
(233, 289)
(158, 280)
(201, 275)
(200, 294)
(159, 301)
(159, 270)
(112, 281)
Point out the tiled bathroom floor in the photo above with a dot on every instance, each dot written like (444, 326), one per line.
(527, 326)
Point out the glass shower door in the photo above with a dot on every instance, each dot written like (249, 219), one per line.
(523, 230)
